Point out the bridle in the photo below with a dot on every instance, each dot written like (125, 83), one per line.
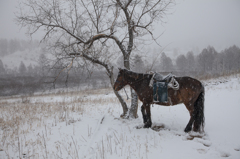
(117, 81)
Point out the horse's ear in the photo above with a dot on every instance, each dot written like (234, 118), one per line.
(120, 69)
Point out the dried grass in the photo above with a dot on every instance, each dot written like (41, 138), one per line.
(21, 115)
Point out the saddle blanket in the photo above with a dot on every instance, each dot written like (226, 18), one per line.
(160, 92)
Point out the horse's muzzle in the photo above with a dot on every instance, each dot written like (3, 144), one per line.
(116, 88)
(116, 85)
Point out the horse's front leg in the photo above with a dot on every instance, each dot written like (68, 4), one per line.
(148, 123)
(144, 115)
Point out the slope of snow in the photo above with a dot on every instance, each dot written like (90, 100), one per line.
(98, 132)
(27, 57)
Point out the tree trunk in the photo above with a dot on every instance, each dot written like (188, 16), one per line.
(134, 98)
(134, 105)
(123, 103)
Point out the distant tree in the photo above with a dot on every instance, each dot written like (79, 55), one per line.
(236, 51)
(218, 64)
(36, 70)
(212, 53)
(43, 64)
(30, 70)
(3, 47)
(191, 64)
(2, 69)
(202, 58)
(182, 63)
(232, 58)
(206, 59)
(170, 67)
(12, 71)
(166, 64)
(22, 69)
(138, 64)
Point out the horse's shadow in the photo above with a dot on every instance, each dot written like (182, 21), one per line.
(159, 127)
(155, 127)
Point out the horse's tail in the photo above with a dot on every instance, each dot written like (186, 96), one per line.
(199, 112)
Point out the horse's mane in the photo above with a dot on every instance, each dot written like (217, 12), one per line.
(136, 75)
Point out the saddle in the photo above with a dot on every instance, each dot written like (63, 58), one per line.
(160, 78)
(160, 85)
(169, 79)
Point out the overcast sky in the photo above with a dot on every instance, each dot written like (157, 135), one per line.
(193, 22)
(204, 22)
(8, 28)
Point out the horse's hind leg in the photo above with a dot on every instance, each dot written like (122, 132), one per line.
(199, 113)
(148, 123)
(189, 125)
(190, 108)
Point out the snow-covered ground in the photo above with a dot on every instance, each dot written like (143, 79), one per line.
(87, 124)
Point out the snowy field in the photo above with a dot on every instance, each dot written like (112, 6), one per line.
(87, 124)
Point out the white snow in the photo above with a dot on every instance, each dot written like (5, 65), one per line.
(27, 57)
(97, 131)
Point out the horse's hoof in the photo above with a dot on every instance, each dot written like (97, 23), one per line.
(147, 126)
(187, 129)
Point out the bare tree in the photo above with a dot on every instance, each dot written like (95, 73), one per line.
(91, 30)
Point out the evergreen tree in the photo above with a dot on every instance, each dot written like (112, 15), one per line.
(43, 62)
(182, 63)
(30, 70)
(166, 64)
(2, 69)
(22, 69)
(191, 64)
(138, 64)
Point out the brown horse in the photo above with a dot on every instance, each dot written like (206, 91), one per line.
(190, 92)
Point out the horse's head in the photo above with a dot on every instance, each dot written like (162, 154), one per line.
(120, 81)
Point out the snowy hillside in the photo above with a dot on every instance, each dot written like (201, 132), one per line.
(27, 57)
(87, 125)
